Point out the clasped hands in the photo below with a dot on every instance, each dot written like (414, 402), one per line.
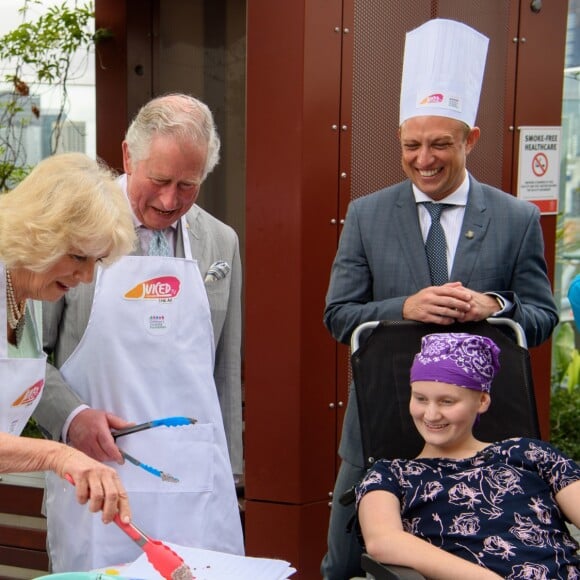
(449, 303)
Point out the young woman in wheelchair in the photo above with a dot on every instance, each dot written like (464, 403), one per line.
(464, 508)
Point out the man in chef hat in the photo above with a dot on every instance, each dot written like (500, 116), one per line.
(480, 255)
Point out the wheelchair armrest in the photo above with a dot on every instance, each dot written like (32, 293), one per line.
(377, 571)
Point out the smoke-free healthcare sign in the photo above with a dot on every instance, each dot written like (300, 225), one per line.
(539, 167)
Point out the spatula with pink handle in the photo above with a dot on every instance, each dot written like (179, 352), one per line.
(169, 564)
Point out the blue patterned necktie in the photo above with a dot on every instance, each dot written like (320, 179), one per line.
(436, 245)
(159, 246)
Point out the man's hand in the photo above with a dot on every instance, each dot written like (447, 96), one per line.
(90, 432)
(449, 303)
(482, 306)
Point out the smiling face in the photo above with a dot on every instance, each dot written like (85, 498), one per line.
(66, 273)
(444, 415)
(163, 186)
(434, 153)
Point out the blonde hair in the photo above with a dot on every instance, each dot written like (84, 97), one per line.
(175, 115)
(69, 203)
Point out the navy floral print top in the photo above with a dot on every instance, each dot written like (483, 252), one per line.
(495, 509)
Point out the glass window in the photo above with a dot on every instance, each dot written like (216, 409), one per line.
(202, 51)
(568, 250)
(31, 129)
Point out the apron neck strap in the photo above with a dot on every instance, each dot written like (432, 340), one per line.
(185, 235)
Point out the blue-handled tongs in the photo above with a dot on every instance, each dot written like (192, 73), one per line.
(167, 422)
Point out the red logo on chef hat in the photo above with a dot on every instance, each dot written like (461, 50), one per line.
(29, 394)
(160, 288)
(432, 98)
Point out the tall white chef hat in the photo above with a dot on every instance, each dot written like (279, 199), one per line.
(442, 71)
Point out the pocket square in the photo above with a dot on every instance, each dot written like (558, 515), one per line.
(217, 271)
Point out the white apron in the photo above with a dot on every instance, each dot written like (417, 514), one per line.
(21, 379)
(148, 353)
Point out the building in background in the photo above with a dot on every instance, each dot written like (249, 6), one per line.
(34, 132)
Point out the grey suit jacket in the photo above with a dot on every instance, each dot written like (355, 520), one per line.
(381, 261)
(65, 321)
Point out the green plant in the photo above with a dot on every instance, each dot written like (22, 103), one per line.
(565, 417)
(32, 430)
(46, 51)
(565, 396)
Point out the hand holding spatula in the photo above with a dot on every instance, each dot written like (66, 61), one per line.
(169, 564)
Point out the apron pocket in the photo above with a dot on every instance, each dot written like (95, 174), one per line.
(186, 453)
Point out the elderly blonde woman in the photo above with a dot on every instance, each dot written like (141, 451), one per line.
(66, 216)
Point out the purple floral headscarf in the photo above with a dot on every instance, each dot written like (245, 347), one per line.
(461, 359)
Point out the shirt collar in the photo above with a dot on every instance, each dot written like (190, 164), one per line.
(458, 197)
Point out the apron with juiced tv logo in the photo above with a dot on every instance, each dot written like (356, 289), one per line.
(148, 353)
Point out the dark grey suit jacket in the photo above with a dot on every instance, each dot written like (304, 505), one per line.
(65, 321)
(381, 261)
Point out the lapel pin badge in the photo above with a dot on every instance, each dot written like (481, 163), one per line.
(469, 234)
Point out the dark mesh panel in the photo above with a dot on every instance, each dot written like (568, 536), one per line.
(491, 19)
(379, 41)
(379, 38)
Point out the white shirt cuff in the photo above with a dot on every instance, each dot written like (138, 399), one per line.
(505, 305)
(65, 427)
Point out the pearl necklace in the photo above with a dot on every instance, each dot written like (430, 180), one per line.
(15, 310)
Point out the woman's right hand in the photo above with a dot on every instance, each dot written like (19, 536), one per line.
(96, 484)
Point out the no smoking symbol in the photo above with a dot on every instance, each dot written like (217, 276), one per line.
(540, 164)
